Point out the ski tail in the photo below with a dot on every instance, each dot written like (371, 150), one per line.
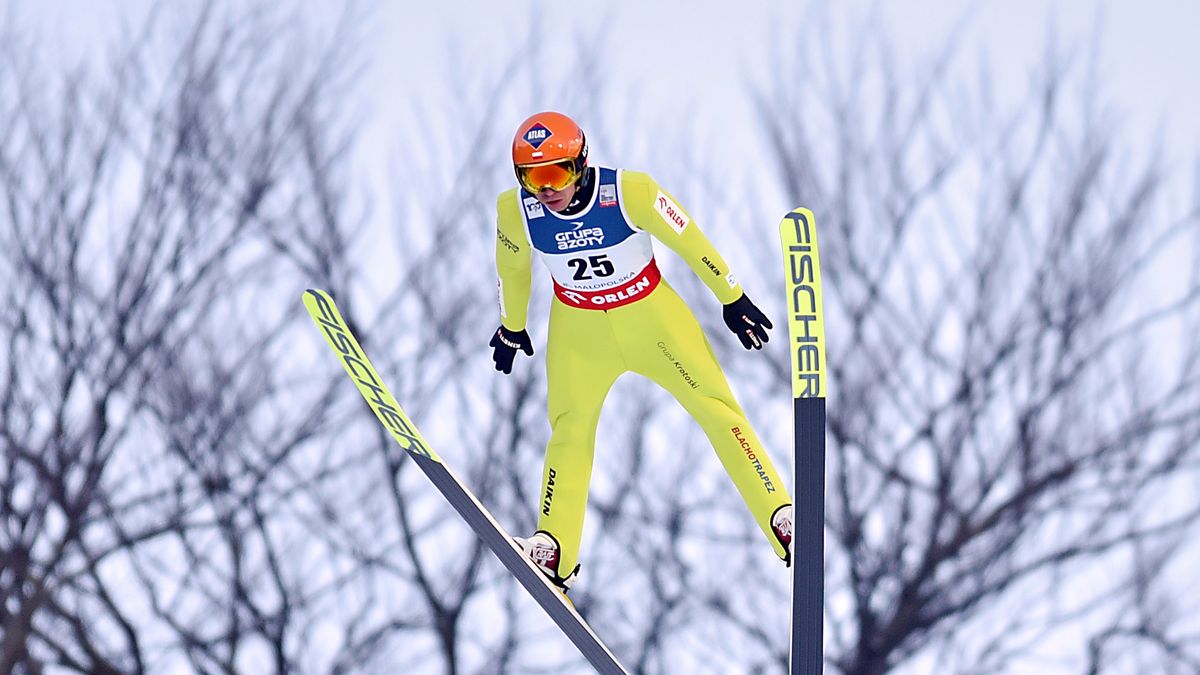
(806, 331)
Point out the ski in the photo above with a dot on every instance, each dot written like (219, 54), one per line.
(806, 330)
(325, 313)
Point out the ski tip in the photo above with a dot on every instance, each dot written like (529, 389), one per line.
(806, 322)
(315, 298)
(796, 225)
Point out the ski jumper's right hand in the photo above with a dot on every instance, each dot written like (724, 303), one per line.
(505, 344)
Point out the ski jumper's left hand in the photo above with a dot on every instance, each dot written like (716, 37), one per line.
(747, 322)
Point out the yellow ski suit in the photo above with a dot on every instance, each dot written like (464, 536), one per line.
(613, 313)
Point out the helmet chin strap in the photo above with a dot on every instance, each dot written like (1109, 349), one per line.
(582, 183)
(582, 194)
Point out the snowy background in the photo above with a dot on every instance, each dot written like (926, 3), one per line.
(1007, 195)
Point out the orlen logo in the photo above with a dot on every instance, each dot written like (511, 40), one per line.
(671, 212)
(537, 135)
(580, 237)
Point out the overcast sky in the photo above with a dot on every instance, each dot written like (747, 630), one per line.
(701, 51)
(666, 53)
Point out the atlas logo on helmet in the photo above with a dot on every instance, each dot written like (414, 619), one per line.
(537, 135)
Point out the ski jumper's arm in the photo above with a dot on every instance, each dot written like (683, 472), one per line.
(512, 261)
(654, 210)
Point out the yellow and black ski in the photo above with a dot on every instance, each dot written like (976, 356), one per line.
(325, 313)
(806, 333)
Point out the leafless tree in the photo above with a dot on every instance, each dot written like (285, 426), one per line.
(154, 205)
(180, 491)
(188, 483)
(1015, 398)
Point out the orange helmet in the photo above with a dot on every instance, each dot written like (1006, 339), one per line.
(549, 151)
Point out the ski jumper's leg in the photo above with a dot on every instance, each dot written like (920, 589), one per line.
(582, 362)
(662, 340)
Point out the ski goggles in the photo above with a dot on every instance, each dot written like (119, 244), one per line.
(551, 175)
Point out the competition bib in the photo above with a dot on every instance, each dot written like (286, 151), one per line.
(597, 259)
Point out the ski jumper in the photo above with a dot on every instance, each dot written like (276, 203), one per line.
(613, 313)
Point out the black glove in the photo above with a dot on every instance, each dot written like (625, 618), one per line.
(506, 343)
(747, 322)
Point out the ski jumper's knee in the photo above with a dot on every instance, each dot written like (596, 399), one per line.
(680, 359)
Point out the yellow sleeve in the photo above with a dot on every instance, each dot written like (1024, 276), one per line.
(512, 262)
(653, 210)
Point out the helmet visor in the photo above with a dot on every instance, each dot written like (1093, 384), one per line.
(554, 175)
